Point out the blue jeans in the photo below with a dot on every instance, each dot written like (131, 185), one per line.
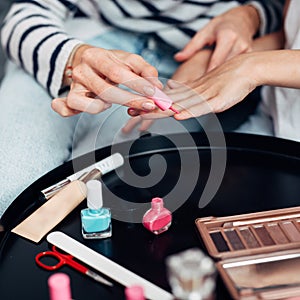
(34, 139)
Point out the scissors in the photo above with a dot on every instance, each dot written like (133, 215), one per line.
(67, 259)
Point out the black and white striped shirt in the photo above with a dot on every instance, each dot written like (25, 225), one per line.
(35, 36)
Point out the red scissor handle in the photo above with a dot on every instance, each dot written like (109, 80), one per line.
(63, 259)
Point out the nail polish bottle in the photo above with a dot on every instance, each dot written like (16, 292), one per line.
(192, 275)
(59, 287)
(95, 220)
(134, 292)
(158, 218)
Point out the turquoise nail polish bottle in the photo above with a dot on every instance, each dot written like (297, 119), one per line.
(95, 220)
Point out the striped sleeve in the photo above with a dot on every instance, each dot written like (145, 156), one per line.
(33, 36)
(271, 14)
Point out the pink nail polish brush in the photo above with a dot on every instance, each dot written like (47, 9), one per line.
(163, 101)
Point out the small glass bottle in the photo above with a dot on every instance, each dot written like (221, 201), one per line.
(95, 220)
(158, 218)
(135, 292)
(59, 287)
(192, 275)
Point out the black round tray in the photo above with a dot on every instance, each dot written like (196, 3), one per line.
(261, 173)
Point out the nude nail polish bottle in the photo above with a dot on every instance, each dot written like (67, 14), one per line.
(158, 218)
(95, 219)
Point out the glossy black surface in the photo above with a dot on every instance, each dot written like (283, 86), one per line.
(262, 173)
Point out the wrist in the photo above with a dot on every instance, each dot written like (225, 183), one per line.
(253, 18)
(250, 69)
(256, 67)
(73, 60)
(78, 54)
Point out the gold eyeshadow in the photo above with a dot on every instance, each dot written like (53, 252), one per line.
(253, 245)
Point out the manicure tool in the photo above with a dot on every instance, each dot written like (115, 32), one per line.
(163, 101)
(67, 259)
(91, 172)
(106, 266)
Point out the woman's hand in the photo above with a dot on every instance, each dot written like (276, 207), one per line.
(217, 90)
(187, 72)
(231, 33)
(97, 74)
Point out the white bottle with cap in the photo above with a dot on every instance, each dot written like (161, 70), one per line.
(96, 219)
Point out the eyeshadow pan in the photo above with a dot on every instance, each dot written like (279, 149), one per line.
(291, 231)
(234, 239)
(276, 233)
(249, 238)
(263, 235)
(219, 241)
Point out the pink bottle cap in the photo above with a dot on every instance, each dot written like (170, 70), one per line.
(134, 292)
(158, 218)
(59, 287)
(162, 101)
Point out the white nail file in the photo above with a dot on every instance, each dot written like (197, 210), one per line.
(105, 265)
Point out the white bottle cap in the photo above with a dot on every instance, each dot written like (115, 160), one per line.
(110, 163)
(94, 194)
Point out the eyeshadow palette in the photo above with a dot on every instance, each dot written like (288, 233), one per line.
(258, 254)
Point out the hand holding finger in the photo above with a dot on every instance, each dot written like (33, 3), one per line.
(60, 106)
(81, 99)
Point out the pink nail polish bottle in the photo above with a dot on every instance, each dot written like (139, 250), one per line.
(134, 292)
(59, 287)
(158, 218)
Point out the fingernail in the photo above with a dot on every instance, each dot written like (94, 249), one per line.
(148, 105)
(132, 112)
(149, 90)
(159, 84)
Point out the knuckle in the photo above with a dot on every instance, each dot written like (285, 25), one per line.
(71, 102)
(229, 33)
(152, 70)
(87, 55)
(114, 73)
(132, 57)
(77, 73)
(243, 46)
(218, 106)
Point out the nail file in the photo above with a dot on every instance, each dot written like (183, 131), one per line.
(105, 265)
(163, 101)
